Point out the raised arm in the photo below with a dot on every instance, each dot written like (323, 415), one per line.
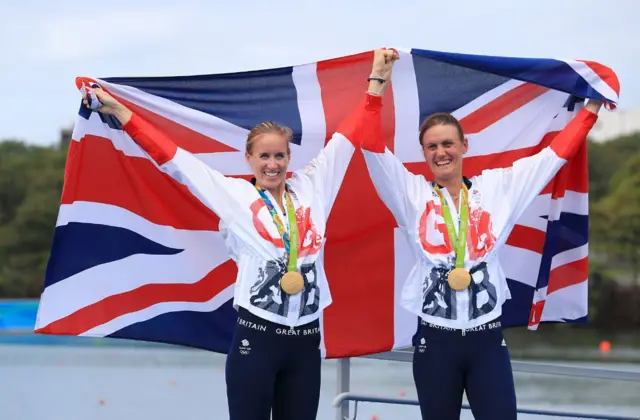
(211, 187)
(327, 170)
(519, 185)
(395, 185)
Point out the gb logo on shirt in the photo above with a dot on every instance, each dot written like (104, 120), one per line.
(433, 231)
(310, 239)
(422, 347)
(244, 347)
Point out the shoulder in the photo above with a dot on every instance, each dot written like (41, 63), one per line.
(490, 175)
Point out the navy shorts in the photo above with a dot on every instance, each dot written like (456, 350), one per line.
(447, 363)
(272, 368)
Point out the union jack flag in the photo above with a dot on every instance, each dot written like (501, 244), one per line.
(136, 255)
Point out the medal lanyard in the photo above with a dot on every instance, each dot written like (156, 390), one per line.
(458, 241)
(290, 241)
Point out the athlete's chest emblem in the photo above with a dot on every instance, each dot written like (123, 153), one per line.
(309, 237)
(435, 240)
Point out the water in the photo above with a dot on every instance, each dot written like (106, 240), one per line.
(79, 383)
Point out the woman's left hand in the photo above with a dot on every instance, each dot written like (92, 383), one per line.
(383, 60)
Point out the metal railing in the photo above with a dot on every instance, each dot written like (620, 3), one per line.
(344, 396)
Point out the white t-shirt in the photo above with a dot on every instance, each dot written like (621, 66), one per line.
(250, 234)
(497, 199)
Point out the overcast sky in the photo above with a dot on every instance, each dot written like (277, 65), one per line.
(44, 45)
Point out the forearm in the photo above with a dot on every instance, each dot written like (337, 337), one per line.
(123, 114)
(569, 140)
(593, 106)
(392, 182)
(521, 183)
(327, 170)
(377, 88)
(380, 76)
(213, 189)
(150, 139)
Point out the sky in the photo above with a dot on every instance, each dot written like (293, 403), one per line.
(44, 45)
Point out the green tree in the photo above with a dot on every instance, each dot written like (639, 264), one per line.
(605, 159)
(616, 219)
(14, 159)
(30, 191)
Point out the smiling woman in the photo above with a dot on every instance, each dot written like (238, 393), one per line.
(457, 285)
(274, 229)
(444, 145)
(268, 153)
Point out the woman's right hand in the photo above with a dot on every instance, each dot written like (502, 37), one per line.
(109, 105)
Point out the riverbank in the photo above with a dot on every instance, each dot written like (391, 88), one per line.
(561, 342)
(573, 343)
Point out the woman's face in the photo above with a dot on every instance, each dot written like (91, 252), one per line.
(443, 150)
(269, 160)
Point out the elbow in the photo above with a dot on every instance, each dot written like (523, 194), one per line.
(155, 143)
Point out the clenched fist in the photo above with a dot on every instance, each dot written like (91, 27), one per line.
(383, 60)
(109, 104)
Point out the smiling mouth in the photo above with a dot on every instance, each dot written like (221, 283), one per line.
(272, 174)
(443, 163)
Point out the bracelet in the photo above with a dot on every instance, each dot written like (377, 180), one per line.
(378, 79)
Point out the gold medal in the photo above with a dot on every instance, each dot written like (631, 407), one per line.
(292, 282)
(459, 279)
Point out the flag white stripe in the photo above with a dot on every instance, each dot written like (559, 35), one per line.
(594, 80)
(567, 303)
(205, 124)
(227, 163)
(573, 202)
(569, 256)
(110, 215)
(485, 98)
(524, 127)
(120, 140)
(97, 283)
(532, 216)
(153, 311)
(407, 148)
(538, 214)
(520, 264)
(406, 105)
(404, 322)
(312, 116)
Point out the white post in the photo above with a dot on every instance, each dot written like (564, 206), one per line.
(344, 378)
